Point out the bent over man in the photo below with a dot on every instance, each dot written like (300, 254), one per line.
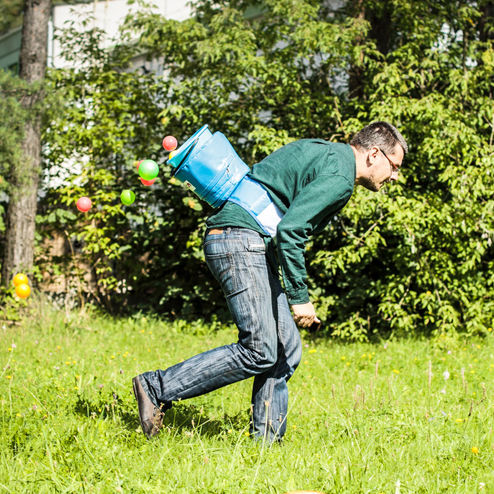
(307, 183)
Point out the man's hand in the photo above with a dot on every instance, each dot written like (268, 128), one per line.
(304, 315)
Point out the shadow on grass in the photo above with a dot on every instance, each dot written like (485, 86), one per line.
(181, 418)
(112, 407)
(188, 419)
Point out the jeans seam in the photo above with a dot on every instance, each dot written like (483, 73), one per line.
(256, 294)
(278, 293)
(257, 301)
(281, 339)
(231, 261)
(270, 401)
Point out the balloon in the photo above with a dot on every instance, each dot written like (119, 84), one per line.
(172, 154)
(127, 197)
(20, 278)
(169, 143)
(147, 183)
(22, 290)
(84, 204)
(138, 163)
(148, 169)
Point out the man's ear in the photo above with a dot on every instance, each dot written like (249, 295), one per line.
(372, 155)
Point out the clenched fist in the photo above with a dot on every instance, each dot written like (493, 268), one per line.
(304, 315)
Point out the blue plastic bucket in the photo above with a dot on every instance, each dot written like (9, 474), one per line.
(201, 136)
(211, 170)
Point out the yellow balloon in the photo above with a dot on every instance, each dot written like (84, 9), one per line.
(20, 278)
(172, 154)
(23, 290)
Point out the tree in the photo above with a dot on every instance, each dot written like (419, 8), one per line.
(24, 178)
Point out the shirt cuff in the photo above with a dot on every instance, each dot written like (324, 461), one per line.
(298, 297)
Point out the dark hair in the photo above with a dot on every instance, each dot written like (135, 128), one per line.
(380, 134)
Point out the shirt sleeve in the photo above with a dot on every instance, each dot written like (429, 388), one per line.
(324, 196)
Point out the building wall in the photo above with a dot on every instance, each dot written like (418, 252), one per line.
(108, 16)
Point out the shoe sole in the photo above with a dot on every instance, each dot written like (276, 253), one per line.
(149, 435)
(134, 388)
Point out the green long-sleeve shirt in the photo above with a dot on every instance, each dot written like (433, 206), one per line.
(309, 180)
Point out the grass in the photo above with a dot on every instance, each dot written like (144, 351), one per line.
(363, 418)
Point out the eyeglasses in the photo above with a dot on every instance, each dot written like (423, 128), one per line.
(395, 168)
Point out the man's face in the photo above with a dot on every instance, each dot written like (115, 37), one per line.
(382, 168)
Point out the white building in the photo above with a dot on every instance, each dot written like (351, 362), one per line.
(106, 15)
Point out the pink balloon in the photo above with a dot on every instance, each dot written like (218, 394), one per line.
(139, 164)
(147, 183)
(84, 204)
(170, 143)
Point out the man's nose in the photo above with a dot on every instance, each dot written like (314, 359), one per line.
(394, 175)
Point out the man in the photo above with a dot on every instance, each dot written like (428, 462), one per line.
(308, 181)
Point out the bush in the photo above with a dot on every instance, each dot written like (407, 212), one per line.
(416, 258)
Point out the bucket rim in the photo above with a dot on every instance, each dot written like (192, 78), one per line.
(185, 147)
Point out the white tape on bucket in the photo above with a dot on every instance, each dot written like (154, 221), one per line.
(254, 198)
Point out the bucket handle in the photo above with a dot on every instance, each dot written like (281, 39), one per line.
(175, 170)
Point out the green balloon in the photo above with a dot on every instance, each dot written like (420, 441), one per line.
(148, 169)
(127, 197)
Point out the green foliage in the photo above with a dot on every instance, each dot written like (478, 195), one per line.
(144, 255)
(10, 14)
(12, 306)
(13, 116)
(17, 108)
(361, 416)
(15, 112)
(420, 256)
(416, 258)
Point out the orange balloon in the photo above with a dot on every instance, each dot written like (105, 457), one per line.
(20, 278)
(23, 290)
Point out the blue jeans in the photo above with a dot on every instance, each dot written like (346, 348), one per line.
(268, 348)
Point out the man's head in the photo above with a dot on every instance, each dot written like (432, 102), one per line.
(379, 151)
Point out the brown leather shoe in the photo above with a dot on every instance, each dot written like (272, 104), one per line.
(151, 417)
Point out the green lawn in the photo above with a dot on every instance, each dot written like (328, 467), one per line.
(362, 417)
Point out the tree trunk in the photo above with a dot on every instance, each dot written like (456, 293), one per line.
(356, 72)
(381, 27)
(23, 192)
(486, 22)
(378, 14)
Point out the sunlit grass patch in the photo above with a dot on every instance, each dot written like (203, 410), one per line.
(361, 416)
